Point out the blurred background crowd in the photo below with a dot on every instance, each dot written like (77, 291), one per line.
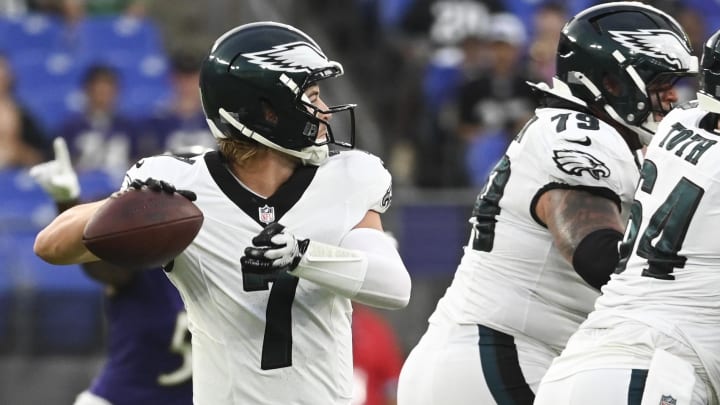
(440, 85)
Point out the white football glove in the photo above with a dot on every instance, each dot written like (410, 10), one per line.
(57, 177)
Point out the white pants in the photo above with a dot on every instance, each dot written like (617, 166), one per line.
(88, 398)
(626, 364)
(611, 386)
(470, 364)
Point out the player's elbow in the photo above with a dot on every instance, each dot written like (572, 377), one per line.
(46, 248)
(395, 294)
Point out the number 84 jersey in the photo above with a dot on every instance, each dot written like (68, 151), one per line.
(512, 278)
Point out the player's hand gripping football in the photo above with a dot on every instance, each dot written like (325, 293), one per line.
(57, 177)
(162, 186)
(273, 250)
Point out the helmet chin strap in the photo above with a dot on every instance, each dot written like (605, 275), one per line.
(312, 155)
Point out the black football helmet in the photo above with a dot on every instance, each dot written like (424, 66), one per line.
(252, 85)
(609, 54)
(709, 92)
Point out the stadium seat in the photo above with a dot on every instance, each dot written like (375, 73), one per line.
(32, 31)
(46, 82)
(24, 204)
(102, 34)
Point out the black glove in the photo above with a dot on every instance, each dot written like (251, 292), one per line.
(273, 250)
(162, 186)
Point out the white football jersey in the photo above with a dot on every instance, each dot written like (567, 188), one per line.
(512, 278)
(273, 340)
(671, 280)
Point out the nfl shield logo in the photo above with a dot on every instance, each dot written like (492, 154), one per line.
(267, 214)
(668, 400)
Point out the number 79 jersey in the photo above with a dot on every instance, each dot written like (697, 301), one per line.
(669, 273)
(272, 339)
(512, 278)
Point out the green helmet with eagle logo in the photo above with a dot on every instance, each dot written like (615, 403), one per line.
(252, 85)
(609, 56)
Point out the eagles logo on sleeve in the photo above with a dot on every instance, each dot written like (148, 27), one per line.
(575, 163)
(387, 198)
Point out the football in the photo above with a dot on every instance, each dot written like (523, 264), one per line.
(142, 229)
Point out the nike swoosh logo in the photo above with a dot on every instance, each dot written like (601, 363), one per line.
(142, 162)
(584, 142)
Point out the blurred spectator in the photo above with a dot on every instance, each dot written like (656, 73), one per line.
(548, 21)
(99, 137)
(181, 124)
(377, 358)
(494, 106)
(458, 30)
(22, 142)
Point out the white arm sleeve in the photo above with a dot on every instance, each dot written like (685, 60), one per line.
(366, 268)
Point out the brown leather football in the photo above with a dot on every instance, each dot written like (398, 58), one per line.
(142, 229)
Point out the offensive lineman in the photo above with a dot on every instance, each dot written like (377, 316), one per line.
(269, 311)
(653, 336)
(546, 225)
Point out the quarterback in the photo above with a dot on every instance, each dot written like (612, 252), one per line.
(546, 225)
(291, 233)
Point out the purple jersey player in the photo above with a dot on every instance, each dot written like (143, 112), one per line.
(148, 341)
(148, 344)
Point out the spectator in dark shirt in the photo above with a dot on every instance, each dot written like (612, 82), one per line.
(494, 106)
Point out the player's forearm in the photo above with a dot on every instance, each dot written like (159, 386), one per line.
(571, 215)
(365, 268)
(586, 230)
(61, 241)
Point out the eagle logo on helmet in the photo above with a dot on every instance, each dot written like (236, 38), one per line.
(294, 57)
(574, 162)
(659, 44)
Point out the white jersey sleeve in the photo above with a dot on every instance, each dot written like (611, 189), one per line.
(368, 172)
(585, 152)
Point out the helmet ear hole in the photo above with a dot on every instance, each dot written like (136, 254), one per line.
(269, 113)
(612, 85)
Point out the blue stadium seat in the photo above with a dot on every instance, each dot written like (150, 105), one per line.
(442, 78)
(24, 204)
(102, 34)
(32, 31)
(46, 82)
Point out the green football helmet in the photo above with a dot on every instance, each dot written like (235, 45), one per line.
(610, 54)
(252, 85)
(709, 92)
